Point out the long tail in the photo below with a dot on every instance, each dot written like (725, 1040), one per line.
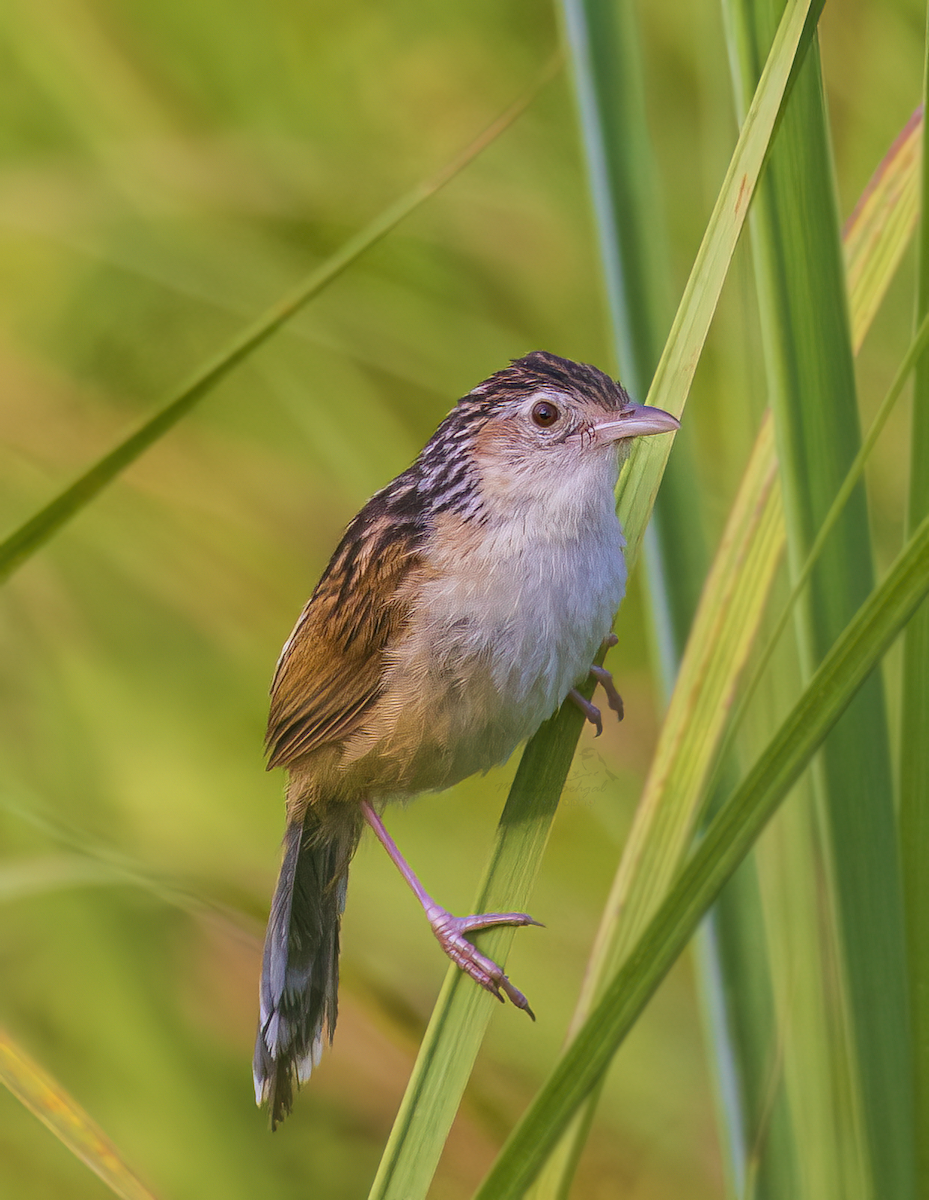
(300, 972)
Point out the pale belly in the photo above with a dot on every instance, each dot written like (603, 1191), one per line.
(498, 644)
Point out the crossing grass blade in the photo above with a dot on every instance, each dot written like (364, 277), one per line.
(20, 545)
(44, 1097)
(727, 840)
(811, 384)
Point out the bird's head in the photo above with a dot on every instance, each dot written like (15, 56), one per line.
(543, 431)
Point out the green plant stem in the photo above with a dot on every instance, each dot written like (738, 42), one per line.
(811, 382)
(853, 477)
(606, 60)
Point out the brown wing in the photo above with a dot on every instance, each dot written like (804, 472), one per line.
(330, 671)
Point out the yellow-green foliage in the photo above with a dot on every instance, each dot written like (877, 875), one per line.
(167, 172)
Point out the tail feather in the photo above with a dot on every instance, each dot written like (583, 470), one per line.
(300, 971)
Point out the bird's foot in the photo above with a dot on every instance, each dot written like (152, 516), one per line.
(613, 698)
(590, 711)
(450, 932)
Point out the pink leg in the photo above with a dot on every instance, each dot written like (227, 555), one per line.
(451, 930)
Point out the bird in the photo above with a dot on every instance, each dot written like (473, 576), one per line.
(464, 604)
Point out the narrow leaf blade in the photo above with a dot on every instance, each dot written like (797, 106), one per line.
(47, 1100)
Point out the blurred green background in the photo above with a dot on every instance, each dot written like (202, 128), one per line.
(167, 170)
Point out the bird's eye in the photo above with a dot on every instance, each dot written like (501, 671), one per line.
(545, 414)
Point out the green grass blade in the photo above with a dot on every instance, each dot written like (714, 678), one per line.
(462, 1010)
(31, 536)
(606, 58)
(852, 479)
(808, 354)
(914, 761)
(47, 1100)
(675, 372)
(444, 1064)
(728, 839)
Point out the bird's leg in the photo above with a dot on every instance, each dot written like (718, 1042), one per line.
(451, 930)
(605, 679)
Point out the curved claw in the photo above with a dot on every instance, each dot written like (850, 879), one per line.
(590, 711)
(614, 699)
(450, 932)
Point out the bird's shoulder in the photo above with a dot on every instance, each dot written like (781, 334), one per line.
(330, 671)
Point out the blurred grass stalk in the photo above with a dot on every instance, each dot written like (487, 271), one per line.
(606, 61)
(914, 759)
(22, 543)
(48, 1100)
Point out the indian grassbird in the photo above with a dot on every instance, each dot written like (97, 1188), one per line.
(463, 605)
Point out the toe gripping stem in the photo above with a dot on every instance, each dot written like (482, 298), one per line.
(451, 931)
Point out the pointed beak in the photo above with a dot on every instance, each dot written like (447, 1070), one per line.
(638, 420)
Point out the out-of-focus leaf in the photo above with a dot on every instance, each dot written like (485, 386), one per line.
(31, 536)
(35, 876)
(880, 228)
(44, 1097)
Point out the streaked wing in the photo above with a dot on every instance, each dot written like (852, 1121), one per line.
(330, 671)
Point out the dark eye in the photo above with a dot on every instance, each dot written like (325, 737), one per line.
(545, 413)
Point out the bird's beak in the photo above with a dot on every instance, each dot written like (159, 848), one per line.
(638, 420)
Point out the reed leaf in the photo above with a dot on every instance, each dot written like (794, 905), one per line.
(879, 230)
(812, 391)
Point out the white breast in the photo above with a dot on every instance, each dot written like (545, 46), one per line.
(508, 621)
